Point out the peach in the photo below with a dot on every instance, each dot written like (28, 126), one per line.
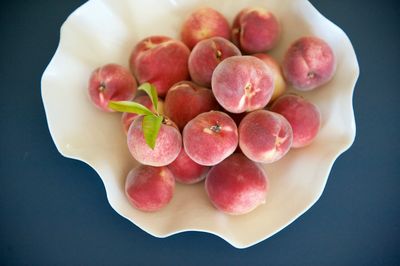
(127, 118)
(185, 100)
(186, 171)
(255, 30)
(279, 81)
(111, 82)
(202, 24)
(161, 61)
(242, 83)
(303, 116)
(168, 143)
(210, 137)
(149, 188)
(309, 63)
(264, 136)
(205, 57)
(236, 185)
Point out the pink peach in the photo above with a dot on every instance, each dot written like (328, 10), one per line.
(186, 171)
(210, 137)
(185, 100)
(255, 30)
(242, 83)
(309, 63)
(236, 185)
(303, 116)
(161, 61)
(202, 24)
(168, 144)
(264, 136)
(111, 82)
(149, 188)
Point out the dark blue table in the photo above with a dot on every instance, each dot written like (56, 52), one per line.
(54, 210)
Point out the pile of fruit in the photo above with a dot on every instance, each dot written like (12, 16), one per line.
(208, 108)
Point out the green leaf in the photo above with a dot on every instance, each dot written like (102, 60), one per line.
(129, 107)
(151, 92)
(151, 126)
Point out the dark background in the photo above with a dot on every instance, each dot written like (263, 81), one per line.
(54, 210)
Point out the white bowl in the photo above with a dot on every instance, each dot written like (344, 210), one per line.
(103, 31)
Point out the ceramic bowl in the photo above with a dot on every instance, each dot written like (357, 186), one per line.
(104, 31)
